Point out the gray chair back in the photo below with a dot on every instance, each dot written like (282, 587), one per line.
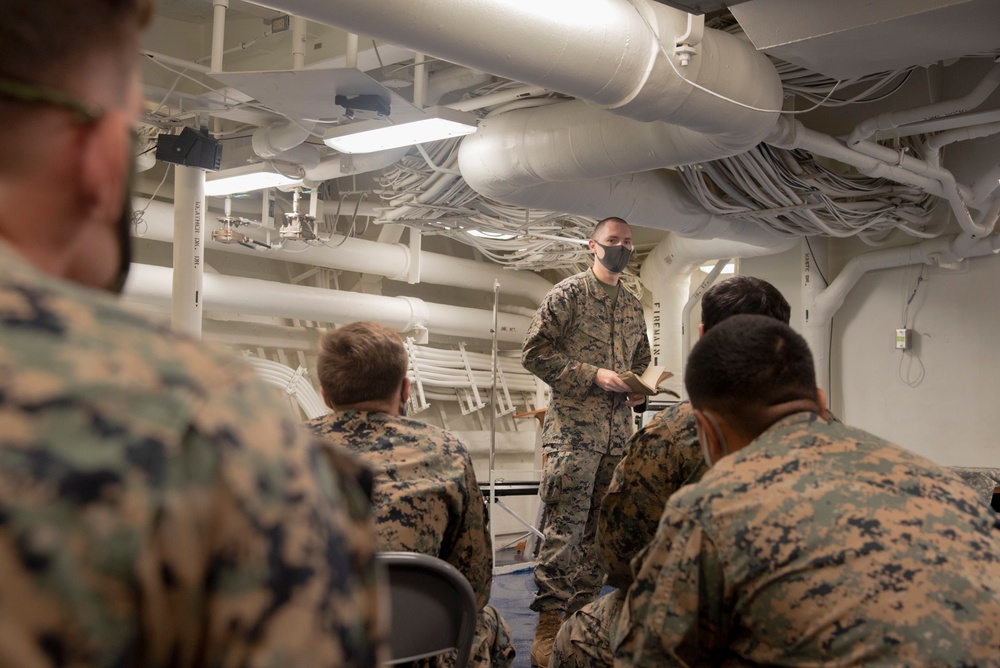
(433, 608)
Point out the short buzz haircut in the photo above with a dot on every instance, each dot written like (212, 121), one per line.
(362, 361)
(747, 364)
(741, 295)
(601, 224)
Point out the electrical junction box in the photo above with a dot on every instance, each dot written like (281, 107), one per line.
(903, 339)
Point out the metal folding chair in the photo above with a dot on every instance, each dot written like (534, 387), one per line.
(433, 608)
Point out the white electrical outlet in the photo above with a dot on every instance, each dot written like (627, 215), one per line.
(903, 339)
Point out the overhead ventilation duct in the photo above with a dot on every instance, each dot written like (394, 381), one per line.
(619, 55)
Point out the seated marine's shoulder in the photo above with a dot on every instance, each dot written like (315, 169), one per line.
(87, 348)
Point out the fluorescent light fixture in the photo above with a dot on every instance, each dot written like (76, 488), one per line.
(246, 178)
(378, 135)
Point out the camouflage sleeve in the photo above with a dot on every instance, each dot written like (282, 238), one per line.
(659, 459)
(265, 557)
(543, 352)
(643, 353)
(673, 613)
(468, 547)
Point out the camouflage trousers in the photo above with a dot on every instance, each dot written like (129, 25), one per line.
(584, 639)
(492, 645)
(568, 573)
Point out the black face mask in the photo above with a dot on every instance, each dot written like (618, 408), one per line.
(615, 257)
(124, 235)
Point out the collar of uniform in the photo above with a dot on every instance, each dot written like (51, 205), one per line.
(13, 263)
(594, 288)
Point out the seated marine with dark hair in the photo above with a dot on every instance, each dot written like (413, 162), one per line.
(426, 498)
(808, 542)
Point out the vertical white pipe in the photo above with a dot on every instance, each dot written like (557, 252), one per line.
(298, 42)
(815, 323)
(413, 270)
(419, 81)
(189, 250)
(689, 306)
(351, 59)
(314, 203)
(218, 32)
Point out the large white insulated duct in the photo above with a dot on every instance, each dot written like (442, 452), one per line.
(608, 56)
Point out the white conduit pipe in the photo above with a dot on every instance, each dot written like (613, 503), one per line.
(298, 42)
(932, 147)
(257, 297)
(986, 185)
(419, 81)
(447, 367)
(895, 119)
(371, 257)
(351, 59)
(791, 134)
(187, 234)
(819, 314)
(293, 382)
(219, 8)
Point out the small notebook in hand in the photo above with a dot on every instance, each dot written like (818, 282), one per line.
(649, 382)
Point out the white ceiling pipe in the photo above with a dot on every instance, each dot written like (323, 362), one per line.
(369, 257)
(219, 8)
(251, 296)
(574, 140)
(607, 55)
(892, 120)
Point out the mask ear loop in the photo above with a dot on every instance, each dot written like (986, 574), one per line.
(718, 432)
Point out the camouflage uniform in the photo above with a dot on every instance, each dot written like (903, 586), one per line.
(575, 332)
(660, 459)
(427, 500)
(818, 544)
(154, 510)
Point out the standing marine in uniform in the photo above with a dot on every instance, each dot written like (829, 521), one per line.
(659, 459)
(155, 509)
(587, 330)
(426, 497)
(808, 542)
